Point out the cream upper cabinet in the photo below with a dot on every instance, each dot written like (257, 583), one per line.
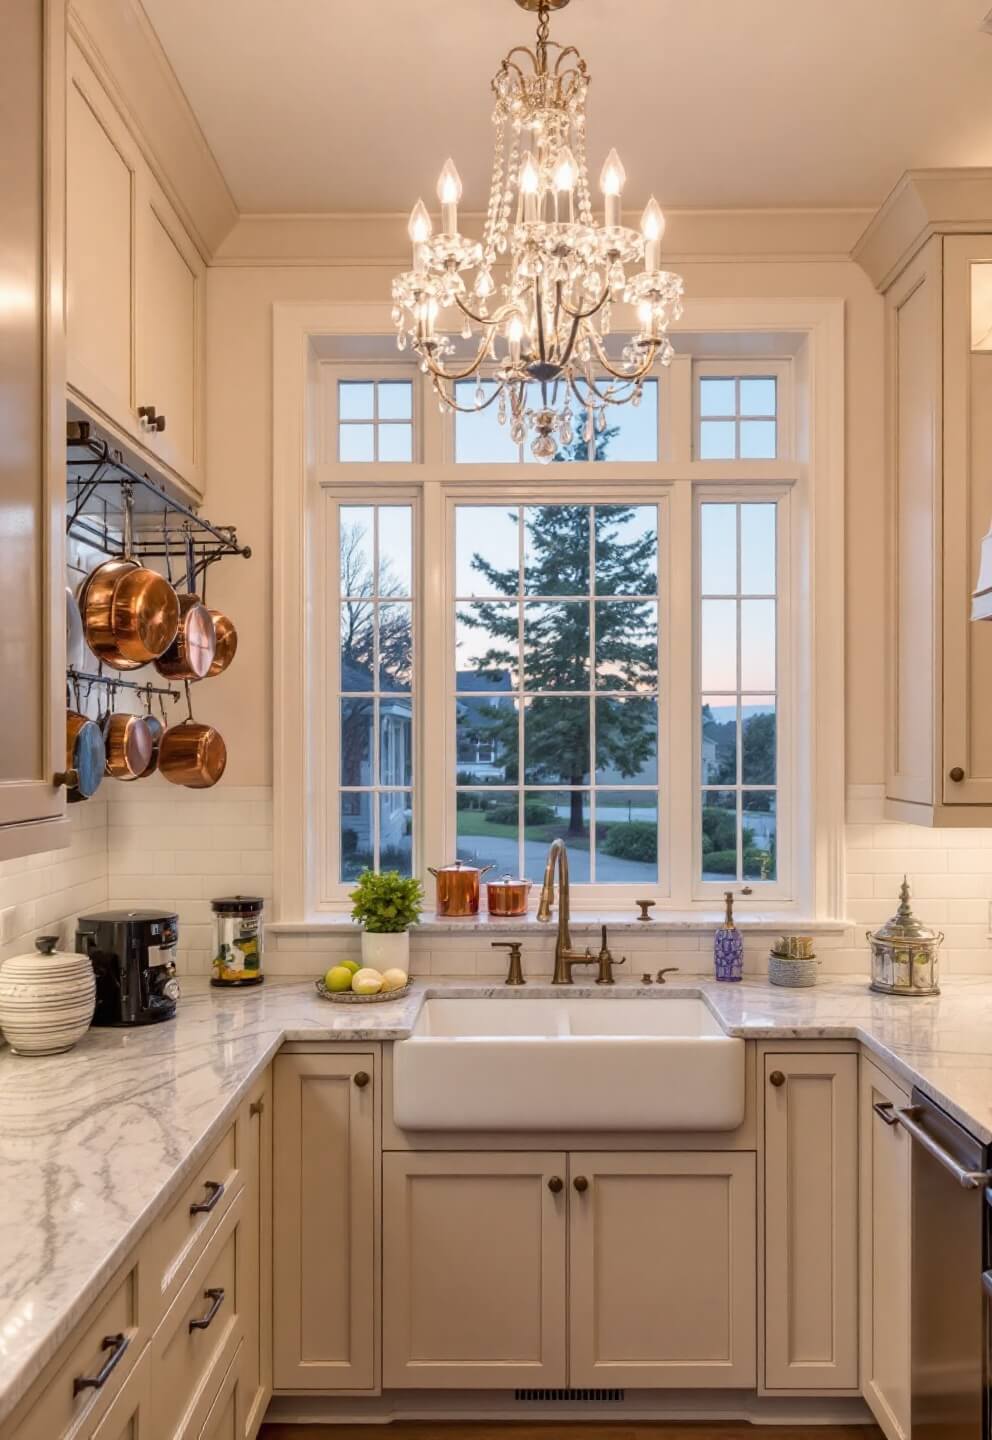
(324, 1222)
(474, 1270)
(32, 438)
(811, 1221)
(135, 287)
(886, 1157)
(939, 506)
(662, 1270)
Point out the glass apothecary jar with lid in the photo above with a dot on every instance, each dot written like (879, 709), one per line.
(905, 953)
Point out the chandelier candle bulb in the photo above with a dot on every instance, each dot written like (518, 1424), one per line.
(449, 192)
(419, 231)
(612, 182)
(653, 229)
(530, 184)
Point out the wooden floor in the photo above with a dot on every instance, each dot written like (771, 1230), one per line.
(554, 1431)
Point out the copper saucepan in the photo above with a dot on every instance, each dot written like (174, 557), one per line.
(130, 613)
(192, 754)
(458, 888)
(507, 896)
(192, 652)
(85, 756)
(129, 745)
(227, 642)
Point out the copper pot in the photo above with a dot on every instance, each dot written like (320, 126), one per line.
(130, 613)
(129, 745)
(156, 729)
(227, 642)
(85, 756)
(191, 653)
(508, 896)
(458, 888)
(192, 754)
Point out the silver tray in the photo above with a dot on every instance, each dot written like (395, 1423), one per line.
(346, 997)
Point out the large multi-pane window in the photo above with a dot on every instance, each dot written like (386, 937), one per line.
(556, 687)
(605, 649)
(376, 687)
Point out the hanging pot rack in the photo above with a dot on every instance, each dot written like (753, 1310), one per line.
(97, 471)
(114, 682)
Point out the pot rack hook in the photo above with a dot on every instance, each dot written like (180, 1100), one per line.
(189, 701)
(166, 543)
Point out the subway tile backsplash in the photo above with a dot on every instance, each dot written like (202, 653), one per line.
(154, 844)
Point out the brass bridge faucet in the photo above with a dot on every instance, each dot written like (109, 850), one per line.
(565, 956)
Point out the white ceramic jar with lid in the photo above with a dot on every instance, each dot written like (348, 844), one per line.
(47, 999)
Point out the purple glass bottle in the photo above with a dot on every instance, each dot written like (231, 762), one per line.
(728, 946)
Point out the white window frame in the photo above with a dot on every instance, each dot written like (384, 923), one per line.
(744, 369)
(814, 333)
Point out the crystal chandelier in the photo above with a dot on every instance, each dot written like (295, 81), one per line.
(540, 328)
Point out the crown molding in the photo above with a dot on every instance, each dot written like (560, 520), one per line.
(117, 39)
(923, 203)
(699, 235)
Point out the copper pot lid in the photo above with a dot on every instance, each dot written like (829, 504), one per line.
(459, 867)
(506, 882)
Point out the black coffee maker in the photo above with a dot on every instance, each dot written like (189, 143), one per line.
(134, 961)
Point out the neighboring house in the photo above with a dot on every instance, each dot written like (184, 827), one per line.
(394, 767)
(478, 747)
(710, 763)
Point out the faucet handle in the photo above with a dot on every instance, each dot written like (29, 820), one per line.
(668, 970)
(515, 974)
(645, 906)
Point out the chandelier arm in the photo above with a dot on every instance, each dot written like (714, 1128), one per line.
(566, 355)
(588, 314)
(630, 377)
(439, 372)
(468, 409)
(489, 322)
(539, 313)
(605, 397)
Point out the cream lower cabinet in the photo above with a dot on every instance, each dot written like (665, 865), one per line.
(130, 1415)
(324, 1222)
(255, 1157)
(474, 1270)
(886, 1156)
(811, 1221)
(662, 1267)
(490, 1260)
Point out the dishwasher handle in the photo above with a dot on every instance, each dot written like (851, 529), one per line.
(967, 1179)
(987, 1282)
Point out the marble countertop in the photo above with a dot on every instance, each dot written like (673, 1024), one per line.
(94, 1144)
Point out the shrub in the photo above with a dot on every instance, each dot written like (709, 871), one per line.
(536, 812)
(721, 862)
(387, 903)
(633, 840)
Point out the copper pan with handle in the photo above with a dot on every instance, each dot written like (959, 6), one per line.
(194, 647)
(85, 754)
(130, 613)
(191, 753)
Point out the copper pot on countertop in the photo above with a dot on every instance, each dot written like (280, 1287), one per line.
(458, 889)
(508, 896)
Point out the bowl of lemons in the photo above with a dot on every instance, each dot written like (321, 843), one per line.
(350, 983)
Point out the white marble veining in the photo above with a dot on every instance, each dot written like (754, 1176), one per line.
(95, 1143)
(662, 922)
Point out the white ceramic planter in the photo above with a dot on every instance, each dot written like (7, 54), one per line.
(386, 952)
(46, 1000)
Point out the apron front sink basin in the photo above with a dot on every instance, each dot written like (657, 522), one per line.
(575, 1064)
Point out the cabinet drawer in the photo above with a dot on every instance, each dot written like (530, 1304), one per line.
(199, 1335)
(130, 1415)
(104, 1353)
(178, 1238)
(222, 1421)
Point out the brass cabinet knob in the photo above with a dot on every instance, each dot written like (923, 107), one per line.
(556, 1184)
(957, 774)
(256, 1107)
(581, 1184)
(362, 1079)
(776, 1078)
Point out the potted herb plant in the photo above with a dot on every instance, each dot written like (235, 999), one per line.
(386, 905)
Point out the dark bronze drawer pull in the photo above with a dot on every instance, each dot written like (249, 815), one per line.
(204, 1207)
(362, 1079)
(556, 1184)
(217, 1299)
(116, 1344)
(777, 1079)
(581, 1184)
(886, 1111)
(256, 1107)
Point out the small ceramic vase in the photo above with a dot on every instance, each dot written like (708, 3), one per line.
(46, 999)
(386, 952)
(728, 946)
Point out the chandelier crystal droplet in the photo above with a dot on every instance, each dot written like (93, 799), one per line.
(534, 298)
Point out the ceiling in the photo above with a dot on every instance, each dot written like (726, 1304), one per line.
(317, 106)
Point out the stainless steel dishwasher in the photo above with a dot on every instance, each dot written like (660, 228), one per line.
(952, 1285)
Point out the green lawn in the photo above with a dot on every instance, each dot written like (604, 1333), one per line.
(475, 822)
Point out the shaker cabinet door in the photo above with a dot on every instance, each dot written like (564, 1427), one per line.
(662, 1270)
(811, 1221)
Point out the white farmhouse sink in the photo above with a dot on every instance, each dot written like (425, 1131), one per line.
(575, 1064)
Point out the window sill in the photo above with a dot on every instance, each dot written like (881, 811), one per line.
(701, 922)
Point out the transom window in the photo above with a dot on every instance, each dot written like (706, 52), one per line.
(629, 434)
(603, 650)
